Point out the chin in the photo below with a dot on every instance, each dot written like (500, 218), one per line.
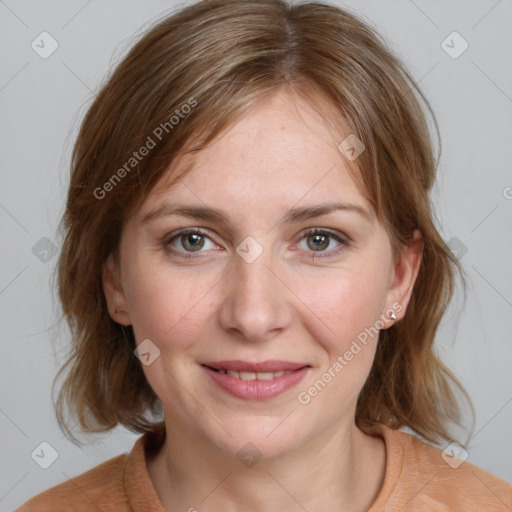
(261, 437)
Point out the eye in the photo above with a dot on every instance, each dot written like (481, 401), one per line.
(193, 240)
(190, 239)
(317, 240)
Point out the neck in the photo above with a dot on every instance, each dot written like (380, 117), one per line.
(343, 469)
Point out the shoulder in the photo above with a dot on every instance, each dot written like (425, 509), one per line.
(100, 488)
(120, 484)
(427, 478)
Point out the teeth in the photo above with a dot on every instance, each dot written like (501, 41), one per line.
(254, 375)
(267, 375)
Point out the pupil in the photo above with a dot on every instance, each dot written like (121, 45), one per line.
(193, 245)
(320, 238)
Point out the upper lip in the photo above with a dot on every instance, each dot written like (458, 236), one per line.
(271, 365)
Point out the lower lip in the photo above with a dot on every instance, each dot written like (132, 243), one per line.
(256, 389)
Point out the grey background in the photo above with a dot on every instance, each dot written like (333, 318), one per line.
(42, 102)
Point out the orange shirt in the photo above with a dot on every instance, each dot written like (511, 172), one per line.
(417, 479)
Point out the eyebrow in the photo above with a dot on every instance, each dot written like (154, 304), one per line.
(293, 215)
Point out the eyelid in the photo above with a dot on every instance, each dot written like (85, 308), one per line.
(167, 239)
(333, 232)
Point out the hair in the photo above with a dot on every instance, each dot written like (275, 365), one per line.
(188, 78)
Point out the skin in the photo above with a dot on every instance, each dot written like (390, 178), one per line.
(284, 305)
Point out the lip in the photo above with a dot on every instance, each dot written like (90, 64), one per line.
(256, 389)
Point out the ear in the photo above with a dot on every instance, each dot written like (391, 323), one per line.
(114, 294)
(404, 275)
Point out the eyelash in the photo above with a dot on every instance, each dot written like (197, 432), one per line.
(343, 240)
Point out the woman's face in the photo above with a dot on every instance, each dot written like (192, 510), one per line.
(251, 289)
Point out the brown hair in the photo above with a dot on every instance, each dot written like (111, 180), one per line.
(195, 73)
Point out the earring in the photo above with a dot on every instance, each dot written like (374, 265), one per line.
(392, 315)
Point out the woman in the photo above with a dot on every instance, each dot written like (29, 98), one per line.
(250, 246)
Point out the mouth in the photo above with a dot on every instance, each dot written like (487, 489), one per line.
(264, 370)
(252, 375)
(255, 381)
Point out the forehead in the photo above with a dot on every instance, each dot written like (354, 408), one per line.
(282, 151)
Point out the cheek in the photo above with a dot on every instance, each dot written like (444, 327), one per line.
(342, 321)
(344, 304)
(167, 307)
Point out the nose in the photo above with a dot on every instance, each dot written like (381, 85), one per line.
(256, 305)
